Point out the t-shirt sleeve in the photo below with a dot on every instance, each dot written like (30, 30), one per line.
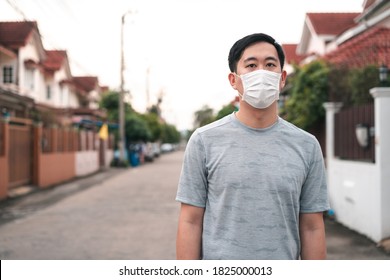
(314, 194)
(192, 187)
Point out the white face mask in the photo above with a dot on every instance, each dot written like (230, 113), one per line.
(261, 88)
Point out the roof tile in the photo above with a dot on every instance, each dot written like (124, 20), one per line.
(332, 23)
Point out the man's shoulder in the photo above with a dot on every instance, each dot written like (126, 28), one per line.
(294, 131)
(215, 126)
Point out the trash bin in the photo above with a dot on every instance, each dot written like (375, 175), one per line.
(133, 156)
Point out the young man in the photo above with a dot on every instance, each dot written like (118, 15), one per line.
(253, 186)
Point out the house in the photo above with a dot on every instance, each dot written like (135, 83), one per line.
(27, 69)
(320, 29)
(358, 188)
(40, 103)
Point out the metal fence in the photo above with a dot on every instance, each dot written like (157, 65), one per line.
(346, 143)
(55, 140)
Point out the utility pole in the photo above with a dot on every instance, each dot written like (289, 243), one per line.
(122, 141)
(147, 89)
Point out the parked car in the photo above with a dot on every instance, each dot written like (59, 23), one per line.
(166, 148)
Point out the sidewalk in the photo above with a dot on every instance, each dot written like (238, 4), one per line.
(346, 244)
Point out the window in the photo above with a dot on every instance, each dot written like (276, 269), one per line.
(7, 75)
(48, 92)
(29, 79)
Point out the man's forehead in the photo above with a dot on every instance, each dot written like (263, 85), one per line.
(260, 51)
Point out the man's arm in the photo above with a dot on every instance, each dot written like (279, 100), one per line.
(312, 232)
(189, 234)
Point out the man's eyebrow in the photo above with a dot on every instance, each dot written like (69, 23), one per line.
(272, 58)
(252, 58)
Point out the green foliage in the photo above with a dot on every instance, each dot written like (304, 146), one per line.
(136, 129)
(361, 81)
(170, 134)
(309, 91)
(154, 125)
(110, 102)
(226, 110)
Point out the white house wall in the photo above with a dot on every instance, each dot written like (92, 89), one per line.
(87, 162)
(73, 100)
(354, 193)
(28, 52)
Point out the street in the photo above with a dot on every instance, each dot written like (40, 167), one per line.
(121, 214)
(132, 215)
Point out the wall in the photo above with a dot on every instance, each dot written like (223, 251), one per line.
(108, 157)
(359, 192)
(87, 162)
(4, 161)
(354, 194)
(55, 168)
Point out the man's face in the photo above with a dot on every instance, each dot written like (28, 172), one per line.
(258, 56)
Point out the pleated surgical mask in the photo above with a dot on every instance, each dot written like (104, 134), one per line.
(261, 88)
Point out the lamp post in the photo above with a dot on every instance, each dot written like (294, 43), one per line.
(121, 96)
(383, 75)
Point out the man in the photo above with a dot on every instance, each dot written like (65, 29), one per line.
(253, 186)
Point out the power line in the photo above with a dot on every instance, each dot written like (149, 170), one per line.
(17, 9)
(48, 9)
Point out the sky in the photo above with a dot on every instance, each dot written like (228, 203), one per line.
(174, 48)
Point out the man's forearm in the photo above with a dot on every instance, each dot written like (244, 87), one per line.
(189, 242)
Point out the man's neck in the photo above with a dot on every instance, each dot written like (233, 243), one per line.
(257, 118)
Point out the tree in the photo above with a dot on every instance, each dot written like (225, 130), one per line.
(203, 116)
(154, 125)
(136, 129)
(170, 134)
(110, 102)
(309, 91)
(226, 110)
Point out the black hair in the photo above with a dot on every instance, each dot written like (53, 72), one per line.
(239, 47)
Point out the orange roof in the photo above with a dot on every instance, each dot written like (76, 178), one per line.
(332, 23)
(15, 34)
(291, 53)
(369, 48)
(86, 83)
(54, 59)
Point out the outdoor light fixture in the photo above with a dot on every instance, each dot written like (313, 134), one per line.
(383, 75)
(363, 133)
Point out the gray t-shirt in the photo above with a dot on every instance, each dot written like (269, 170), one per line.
(253, 183)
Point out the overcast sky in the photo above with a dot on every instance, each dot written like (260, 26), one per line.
(183, 43)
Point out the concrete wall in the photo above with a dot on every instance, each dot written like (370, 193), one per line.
(55, 168)
(354, 195)
(359, 192)
(3, 177)
(4, 163)
(108, 157)
(87, 162)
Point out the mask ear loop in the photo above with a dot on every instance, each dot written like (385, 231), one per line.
(238, 76)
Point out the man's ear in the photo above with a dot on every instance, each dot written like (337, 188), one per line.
(283, 79)
(233, 80)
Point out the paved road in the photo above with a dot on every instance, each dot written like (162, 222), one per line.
(121, 214)
(132, 215)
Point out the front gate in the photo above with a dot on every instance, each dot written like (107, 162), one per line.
(20, 152)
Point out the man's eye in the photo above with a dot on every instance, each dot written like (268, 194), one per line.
(270, 64)
(252, 65)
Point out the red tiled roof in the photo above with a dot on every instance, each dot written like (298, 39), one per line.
(332, 23)
(291, 54)
(85, 83)
(369, 48)
(54, 59)
(15, 34)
